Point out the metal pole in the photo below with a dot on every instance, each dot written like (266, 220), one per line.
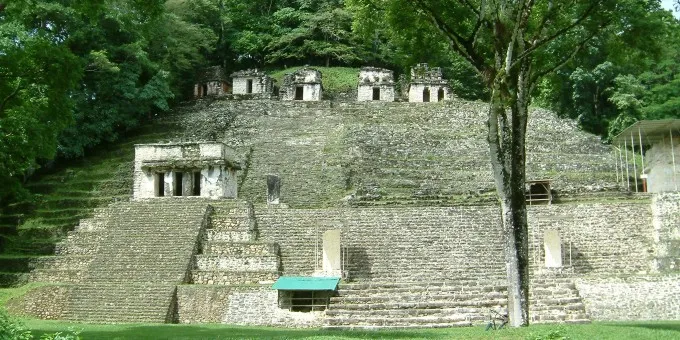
(617, 166)
(675, 180)
(635, 175)
(621, 163)
(642, 151)
(625, 146)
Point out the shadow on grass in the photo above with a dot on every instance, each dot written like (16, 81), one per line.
(229, 332)
(660, 325)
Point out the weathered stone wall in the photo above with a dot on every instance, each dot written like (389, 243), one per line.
(661, 174)
(666, 236)
(415, 93)
(365, 93)
(631, 298)
(384, 244)
(598, 239)
(238, 305)
(373, 77)
(394, 153)
(47, 303)
(261, 84)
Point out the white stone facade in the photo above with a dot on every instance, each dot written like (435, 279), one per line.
(375, 84)
(251, 82)
(428, 85)
(184, 169)
(303, 84)
(662, 176)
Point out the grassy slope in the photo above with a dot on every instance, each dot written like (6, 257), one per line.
(64, 195)
(628, 330)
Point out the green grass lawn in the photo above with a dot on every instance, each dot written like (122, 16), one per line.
(627, 330)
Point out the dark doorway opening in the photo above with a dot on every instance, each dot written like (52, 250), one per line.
(440, 95)
(177, 184)
(426, 95)
(197, 184)
(376, 93)
(299, 93)
(205, 90)
(249, 86)
(160, 184)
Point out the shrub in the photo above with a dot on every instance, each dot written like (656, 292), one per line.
(11, 329)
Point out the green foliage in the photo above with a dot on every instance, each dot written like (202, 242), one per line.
(626, 74)
(554, 334)
(11, 329)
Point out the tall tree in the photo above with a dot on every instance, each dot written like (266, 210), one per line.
(512, 45)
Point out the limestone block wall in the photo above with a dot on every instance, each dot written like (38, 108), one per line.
(261, 85)
(661, 175)
(310, 92)
(631, 298)
(666, 234)
(415, 93)
(239, 306)
(365, 92)
(408, 244)
(596, 238)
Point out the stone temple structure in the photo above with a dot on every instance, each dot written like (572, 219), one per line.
(303, 84)
(184, 169)
(427, 85)
(212, 82)
(361, 215)
(252, 82)
(375, 84)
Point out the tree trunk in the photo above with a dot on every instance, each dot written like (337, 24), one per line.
(508, 157)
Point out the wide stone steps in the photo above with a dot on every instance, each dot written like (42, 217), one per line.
(119, 303)
(57, 275)
(460, 303)
(237, 262)
(414, 304)
(237, 236)
(240, 248)
(127, 259)
(224, 277)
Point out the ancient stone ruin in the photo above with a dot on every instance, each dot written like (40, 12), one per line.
(212, 82)
(375, 84)
(303, 84)
(184, 169)
(362, 215)
(252, 82)
(427, 85)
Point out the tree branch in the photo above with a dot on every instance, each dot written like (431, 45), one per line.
(559, 32)
(458, 42)
(10, 96)
(567, 59)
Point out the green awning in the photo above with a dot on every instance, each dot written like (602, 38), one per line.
(306, 283)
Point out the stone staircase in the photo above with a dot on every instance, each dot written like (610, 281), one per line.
(447, 304)
(229, 253)
(124, 263)
(556, 300)
(414, 304)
